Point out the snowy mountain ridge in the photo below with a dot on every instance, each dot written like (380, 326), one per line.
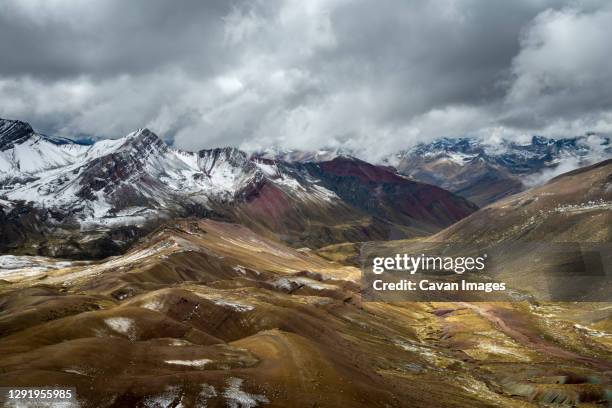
(63, 198)
(592, 147)
(137, 176)
(485, 172)
(129, 177)
(527, 163)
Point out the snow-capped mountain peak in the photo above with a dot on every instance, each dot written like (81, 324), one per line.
(126, 179)
(303, 156)
(134, 182)
(23, 152)
(13, 132)
(484, 172)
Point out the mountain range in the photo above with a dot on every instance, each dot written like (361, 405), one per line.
(479, 170)
(65, 198)
(69, 198)
(484, 172)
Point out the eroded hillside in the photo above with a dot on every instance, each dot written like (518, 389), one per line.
(204, 313)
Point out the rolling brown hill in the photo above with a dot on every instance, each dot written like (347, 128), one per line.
(573, 207)
(553, 242)
(206, 313)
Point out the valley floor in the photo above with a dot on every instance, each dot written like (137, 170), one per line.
(204, 313)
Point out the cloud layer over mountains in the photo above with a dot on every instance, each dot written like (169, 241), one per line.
(308, 74)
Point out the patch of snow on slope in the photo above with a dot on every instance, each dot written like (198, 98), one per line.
(459, 158)
(206, 392)
(102, 148)
(224, 302)
(292, 283)
(592, 332)
(240, 269)
(164, 399)
(123, 325)
(14, 268)
(38, 154)
(587, 206)
(236, 398)
(237, 306)
(190, 363)
(25, 261)
(503, 351)
(179, 343)
(269, 170)
(324, 194)
(154, 304)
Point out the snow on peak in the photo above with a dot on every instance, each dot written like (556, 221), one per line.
(130, 179)
(23, 152)
(301, 156)
(13, 132)
(509, 152)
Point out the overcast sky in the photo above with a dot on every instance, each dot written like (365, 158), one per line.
(375, 76)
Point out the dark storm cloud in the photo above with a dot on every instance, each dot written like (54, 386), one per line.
(307, 74)
(61, 39)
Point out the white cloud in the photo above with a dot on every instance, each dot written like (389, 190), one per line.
(375, 77)
(562, 74)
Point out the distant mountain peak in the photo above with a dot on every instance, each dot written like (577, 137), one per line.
(301, 156)
(485, 172)
(227, 151)
(541, 140)
(232, 156)
(144, 138)
(13, 132)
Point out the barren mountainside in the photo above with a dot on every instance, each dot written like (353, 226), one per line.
(573, 207)
(206, 313)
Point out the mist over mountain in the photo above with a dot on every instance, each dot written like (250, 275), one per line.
(478, 169)
(485, 172)
(308, 197)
